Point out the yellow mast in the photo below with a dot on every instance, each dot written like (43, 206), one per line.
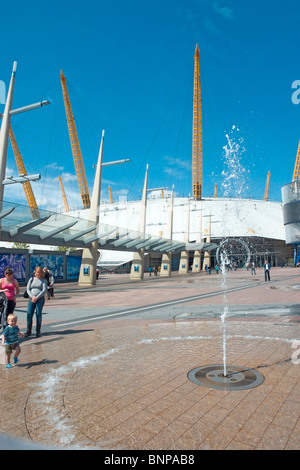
(266, 198)
(110, 195)
(22, 171)
(197, 130)
(296, 174)
(76, 151)
(66, 205)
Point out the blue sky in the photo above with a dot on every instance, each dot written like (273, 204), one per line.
(129, 68)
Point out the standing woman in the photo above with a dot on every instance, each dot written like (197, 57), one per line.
(10, 286)
(36, 288)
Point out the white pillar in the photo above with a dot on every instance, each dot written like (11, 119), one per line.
(138, 265)
(166, 261)
(196, 268)
(206, 260)
(4, 132)
(184, 256)
(88, 268)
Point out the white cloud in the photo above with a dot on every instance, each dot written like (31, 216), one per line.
(67, 177)
(55, 166)
(10, 172)
(224, 11)
(176, 162)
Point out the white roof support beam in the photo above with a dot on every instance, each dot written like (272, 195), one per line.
(27, 226)
(56, 231)
(69, 238)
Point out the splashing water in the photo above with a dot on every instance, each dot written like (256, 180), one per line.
(234, 175)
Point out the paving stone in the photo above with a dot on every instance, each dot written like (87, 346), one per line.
(123, 383)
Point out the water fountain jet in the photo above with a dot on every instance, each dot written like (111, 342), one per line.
(223, 376)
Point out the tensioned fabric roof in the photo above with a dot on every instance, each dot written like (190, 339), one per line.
(22, 224)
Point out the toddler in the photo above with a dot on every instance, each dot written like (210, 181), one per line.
(10, 338)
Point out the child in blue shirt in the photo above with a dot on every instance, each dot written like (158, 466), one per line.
(10, 338)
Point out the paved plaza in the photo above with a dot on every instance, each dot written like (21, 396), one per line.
(110, 370)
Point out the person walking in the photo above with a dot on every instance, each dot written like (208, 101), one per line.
(47, 277)
(267, 268)
(10, 286)
(51, 284)
(36, 289)
(253, 268)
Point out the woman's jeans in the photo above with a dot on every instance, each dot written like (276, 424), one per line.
(37, 307)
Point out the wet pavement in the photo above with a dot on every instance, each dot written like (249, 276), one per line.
(111, 369)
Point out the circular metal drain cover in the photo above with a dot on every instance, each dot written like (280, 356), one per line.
(237, 378)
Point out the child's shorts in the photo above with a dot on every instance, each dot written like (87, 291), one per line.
(10, 347)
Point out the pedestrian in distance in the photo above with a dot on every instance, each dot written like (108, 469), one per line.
(267, 268)
(10, 286)
(47, 277)
(10, 339)
(51, 284)
(36, 289)
(253, 268)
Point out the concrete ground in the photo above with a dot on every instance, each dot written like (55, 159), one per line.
(95, 381)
